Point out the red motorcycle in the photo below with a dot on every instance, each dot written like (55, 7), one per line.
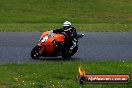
(48, 46)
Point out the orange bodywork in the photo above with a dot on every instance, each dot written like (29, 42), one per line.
(48, 46)
(59, 37)
(44, 34)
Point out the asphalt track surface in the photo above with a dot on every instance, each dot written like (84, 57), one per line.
(15, 47)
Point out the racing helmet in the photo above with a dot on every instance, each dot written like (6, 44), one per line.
(66, 25)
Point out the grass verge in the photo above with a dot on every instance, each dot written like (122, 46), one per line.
(60, 74)
(104, 27)
(86, 15)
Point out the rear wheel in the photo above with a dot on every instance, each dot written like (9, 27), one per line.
(74, 50)
(35, 52)
(67, 53)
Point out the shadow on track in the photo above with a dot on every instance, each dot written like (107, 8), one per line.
(54, 59)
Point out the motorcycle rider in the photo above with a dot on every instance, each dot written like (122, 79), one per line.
(72, 38)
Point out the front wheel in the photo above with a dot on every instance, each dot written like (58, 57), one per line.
(35, 52)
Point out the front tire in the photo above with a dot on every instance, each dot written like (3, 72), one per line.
(35, 52)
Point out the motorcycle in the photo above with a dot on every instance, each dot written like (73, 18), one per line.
(48, 46)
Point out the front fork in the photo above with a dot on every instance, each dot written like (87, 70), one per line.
(41, 49)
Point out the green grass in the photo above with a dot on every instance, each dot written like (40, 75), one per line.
(86, 15)
(103, 27)
(62, 74)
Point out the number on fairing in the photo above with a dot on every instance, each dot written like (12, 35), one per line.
(44, 39)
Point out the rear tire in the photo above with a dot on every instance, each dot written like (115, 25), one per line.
(35, 52)
(66, 53)
(74, 50)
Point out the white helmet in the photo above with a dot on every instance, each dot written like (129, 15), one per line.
(67, 24)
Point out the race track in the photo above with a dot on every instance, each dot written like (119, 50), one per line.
(15, 47)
